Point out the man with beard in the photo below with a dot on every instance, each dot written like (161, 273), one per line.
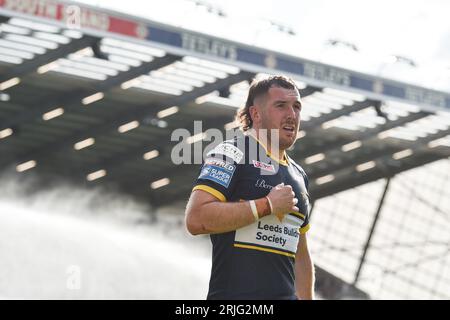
(255, 204)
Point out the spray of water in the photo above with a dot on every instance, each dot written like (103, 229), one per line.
(72, 243)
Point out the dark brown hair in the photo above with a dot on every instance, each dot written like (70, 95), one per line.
(257, 89)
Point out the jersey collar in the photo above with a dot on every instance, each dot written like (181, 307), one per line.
(283, 162)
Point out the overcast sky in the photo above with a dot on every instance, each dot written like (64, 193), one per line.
(416, 29)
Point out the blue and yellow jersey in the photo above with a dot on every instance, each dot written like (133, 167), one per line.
(256, 261)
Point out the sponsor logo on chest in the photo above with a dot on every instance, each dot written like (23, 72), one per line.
(270, 233)
(261, 183)
(264, 166)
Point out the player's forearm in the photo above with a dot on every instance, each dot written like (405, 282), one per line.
(304, 277)
(220, 217)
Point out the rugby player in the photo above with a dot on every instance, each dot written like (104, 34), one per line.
(255, 205)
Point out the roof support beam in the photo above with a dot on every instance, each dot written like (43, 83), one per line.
(383, 155)
(4, 19)
(315, 123)
(372, 231)
(140, 113)
(385, 171)
(366, 135)
(72, 101)
(61, 51)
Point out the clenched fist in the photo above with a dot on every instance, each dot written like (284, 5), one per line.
(283, 200)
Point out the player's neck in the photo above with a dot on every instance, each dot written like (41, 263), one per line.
(263, 137)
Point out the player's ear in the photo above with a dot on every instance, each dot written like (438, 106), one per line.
(255, 114)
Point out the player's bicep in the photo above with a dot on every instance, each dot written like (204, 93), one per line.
(199, 198)
(195, 211)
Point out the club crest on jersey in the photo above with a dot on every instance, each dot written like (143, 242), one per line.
(264, 166)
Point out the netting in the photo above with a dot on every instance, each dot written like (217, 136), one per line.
(408, 255)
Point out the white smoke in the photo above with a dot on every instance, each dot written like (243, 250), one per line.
(74, 243)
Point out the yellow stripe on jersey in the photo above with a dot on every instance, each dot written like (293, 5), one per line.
(219, 195)
(301, 215)
(305, 229)
(264, 249)
(283, 161)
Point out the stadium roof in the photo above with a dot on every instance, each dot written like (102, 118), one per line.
(95, 96)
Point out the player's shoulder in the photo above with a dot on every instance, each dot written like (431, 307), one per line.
(297, 167)
(233, 149)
